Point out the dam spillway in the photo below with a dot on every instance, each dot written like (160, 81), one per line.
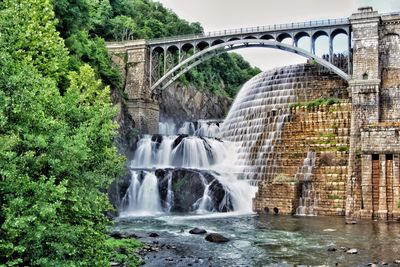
(257, 116)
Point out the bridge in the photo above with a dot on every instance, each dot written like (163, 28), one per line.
(171, 57)
(179, 54)
(149, 66)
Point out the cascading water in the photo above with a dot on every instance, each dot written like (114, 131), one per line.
(309, 199)
(190, 172)
(257, 116)
(143, 197)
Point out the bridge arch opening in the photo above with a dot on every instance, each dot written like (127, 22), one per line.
(267, 37)
(304, 43)
(233, 39)
(187, 47)
(202, 45)
(284, 38)
(250, 37)
(301, 38)
(218, 41)
(172, 49)
(320, 44)
(213, 51)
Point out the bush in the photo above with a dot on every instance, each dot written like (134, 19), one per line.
(316, 103)
(123, 251)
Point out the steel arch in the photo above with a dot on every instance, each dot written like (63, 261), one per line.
(202, 56)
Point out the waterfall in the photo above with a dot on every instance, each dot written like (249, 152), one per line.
(167, 128)
(235, 153)
(166, 167)
(170, 193)
(309, 199)
(257, 116)
(204, 204)
(143, 198)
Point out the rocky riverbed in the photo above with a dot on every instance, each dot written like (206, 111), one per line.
(264, 241)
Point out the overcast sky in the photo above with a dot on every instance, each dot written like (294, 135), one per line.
(217, 15)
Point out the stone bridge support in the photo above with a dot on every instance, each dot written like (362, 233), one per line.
(132, 58)
(373, 179)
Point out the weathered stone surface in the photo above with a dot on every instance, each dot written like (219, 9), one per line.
(197, 231)
(188, 188)
(154, 235)
(186, 103)
(324, 129)
(216, 238)
(132, 59)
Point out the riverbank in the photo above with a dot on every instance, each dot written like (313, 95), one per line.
(265, 241)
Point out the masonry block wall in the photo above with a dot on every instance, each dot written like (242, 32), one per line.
(389, 49)
(324, 130)
(132, 60)
(372, 184)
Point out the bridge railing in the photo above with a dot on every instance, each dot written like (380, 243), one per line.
(249, 30)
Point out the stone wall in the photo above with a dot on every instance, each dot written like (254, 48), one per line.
(325, 130)
(389, 49)
(132, 60)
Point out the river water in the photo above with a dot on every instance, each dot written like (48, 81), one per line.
(271, 240)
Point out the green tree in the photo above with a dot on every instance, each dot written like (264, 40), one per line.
(56, 147)
(27, 32)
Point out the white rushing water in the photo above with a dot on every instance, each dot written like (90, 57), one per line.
(257, 117)
(199, 154)
(309, 199)
(143, 198)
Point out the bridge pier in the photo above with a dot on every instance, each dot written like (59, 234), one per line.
(132, 58)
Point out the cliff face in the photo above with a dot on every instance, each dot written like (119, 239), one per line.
(185, 103)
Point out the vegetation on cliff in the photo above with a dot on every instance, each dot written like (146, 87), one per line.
(85, 24)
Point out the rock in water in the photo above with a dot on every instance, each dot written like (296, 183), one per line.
(216, 238)
(197, 231)
(352, 251)
(154, 235)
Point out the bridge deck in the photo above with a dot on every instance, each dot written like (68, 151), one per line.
(253, 30)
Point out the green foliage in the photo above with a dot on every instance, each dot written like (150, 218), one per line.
(343, 149)
(120, 20)
(56, 147)
(24, 25)
(316, 103)
(123, 251)
(223, 75)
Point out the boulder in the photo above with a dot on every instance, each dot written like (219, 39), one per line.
(154, 235)
(352, 251)
(197, 231)
(216, 238)
(188, 188)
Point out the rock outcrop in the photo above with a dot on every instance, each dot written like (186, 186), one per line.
(185, 103)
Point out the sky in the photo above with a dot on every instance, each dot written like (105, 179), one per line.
(215, 15)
